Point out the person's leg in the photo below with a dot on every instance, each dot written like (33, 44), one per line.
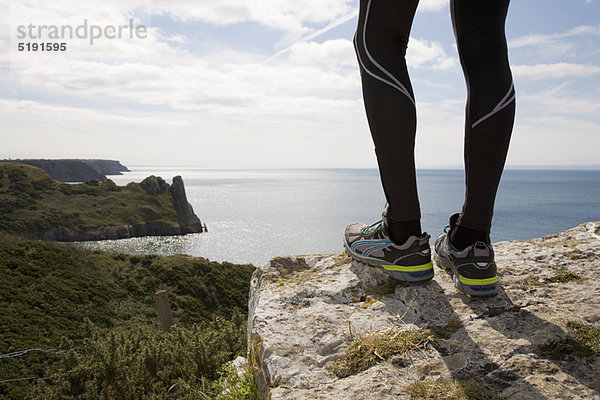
(490, 111)
(380, 42)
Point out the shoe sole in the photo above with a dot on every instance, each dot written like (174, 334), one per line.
(486, 287)
(411, 274)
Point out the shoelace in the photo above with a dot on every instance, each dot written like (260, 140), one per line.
(372, 228)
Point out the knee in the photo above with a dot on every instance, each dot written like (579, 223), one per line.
(483, 50)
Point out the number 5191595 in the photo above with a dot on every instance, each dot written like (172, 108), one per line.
(33, 46)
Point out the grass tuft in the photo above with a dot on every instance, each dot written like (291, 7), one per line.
(446, 331)
(472, 389)
(235, 385)
(564, 277)
(583, 341)
(561, 276)
(366, 351)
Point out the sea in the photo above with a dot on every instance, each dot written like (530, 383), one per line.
(254, 215)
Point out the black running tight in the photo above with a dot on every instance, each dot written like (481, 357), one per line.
(381, 40)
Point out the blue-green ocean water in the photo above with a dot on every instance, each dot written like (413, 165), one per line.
(253, 215)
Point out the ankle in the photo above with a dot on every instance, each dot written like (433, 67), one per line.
(401, 231)
(462, 237)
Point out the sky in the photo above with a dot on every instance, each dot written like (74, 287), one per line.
(275, 83)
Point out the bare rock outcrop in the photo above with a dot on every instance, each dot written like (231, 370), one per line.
(188, 221)
(305, 311)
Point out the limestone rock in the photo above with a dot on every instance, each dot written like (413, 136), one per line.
(304, 310)
(152, 184)
(165, 188)
(188, 221)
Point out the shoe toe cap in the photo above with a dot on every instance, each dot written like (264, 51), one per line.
(353, 231)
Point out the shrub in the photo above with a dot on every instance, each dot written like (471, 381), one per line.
(50, 290)
(143, 363)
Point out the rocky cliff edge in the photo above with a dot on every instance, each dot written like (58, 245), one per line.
(538, 339)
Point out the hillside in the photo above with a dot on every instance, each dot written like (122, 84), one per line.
(75, 170)
(35, 206)
(99, 310)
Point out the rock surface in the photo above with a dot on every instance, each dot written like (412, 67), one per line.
(304, 311)
(188, 221)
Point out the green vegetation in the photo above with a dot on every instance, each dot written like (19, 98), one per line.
(583, 340)
(560, 276)
(563, 276)
(98, 309)
(472, 389)
(235, 386)
(30, 201)
(365, 351)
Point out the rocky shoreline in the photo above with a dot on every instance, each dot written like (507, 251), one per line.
(306, 311)
(105, 233)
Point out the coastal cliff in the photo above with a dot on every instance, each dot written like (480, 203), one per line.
(188, 221)
(75, 170)
(34, 206)
(325, 327)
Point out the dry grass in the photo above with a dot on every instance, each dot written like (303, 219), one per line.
(568, 242)
(365, 351)
(472, 389)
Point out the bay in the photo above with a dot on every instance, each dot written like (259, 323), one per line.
(254, 215)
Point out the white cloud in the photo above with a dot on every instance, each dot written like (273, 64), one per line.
(424, 53)
(70, 115)
(559, 101)
(174, 101)
(440, 134)
(337, 52)
(227, 84)
(182, 138)
(182, 39)
(273, 13)
(284, 15)
(554, 71)
(315, 33)
(433, 5)
(552, 38)
(554, 140)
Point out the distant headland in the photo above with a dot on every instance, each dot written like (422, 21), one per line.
(75, 170)
(35, 206)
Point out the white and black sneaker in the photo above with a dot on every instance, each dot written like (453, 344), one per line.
(372, 245)
(473, 269)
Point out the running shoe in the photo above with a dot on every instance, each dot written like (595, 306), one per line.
(473, 269)
(372, 245)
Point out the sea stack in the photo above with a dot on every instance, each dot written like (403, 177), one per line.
(188, 221)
